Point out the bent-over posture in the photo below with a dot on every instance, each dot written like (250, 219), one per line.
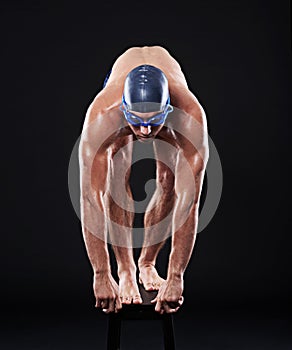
(146, 98)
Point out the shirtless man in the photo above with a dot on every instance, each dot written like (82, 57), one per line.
(139, 76)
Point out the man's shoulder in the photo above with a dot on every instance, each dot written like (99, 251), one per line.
(187, 125)
(102, 125)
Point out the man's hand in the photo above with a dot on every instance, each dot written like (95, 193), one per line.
(169, 298)
(106, 291)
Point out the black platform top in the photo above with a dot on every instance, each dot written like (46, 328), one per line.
(146, 310)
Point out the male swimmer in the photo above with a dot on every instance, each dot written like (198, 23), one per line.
(137, 101)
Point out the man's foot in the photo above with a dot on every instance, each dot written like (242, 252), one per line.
(128, 289)
(149, 277)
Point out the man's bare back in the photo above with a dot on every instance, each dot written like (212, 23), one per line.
(102, 197)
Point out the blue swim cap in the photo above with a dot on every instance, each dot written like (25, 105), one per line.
(146, 89)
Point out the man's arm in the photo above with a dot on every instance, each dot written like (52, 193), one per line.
(188, 185)
(93, 217)
(189, 174)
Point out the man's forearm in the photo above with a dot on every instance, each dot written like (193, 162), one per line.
(106, 290)
(94, 233)
(186, 214)
(91, 201)
(183, 241)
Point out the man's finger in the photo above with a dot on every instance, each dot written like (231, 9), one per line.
(104, 303)
(158, 305)
(111, 307)
(118, 304)
(168, 309)
(175, 304)
(154, 300)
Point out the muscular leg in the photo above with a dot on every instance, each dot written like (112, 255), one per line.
(162, 203)
(120, 213)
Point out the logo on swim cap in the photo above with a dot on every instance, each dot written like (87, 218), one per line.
(146, 89)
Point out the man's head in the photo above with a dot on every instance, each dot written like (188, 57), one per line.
(146, 101)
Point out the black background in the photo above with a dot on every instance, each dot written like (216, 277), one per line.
(236, 56)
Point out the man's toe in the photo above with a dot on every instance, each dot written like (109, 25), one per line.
(137, 299)
(126, 300)
(149, 286)
(156, 285)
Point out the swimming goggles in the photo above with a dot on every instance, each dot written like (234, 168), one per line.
(156, 120)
